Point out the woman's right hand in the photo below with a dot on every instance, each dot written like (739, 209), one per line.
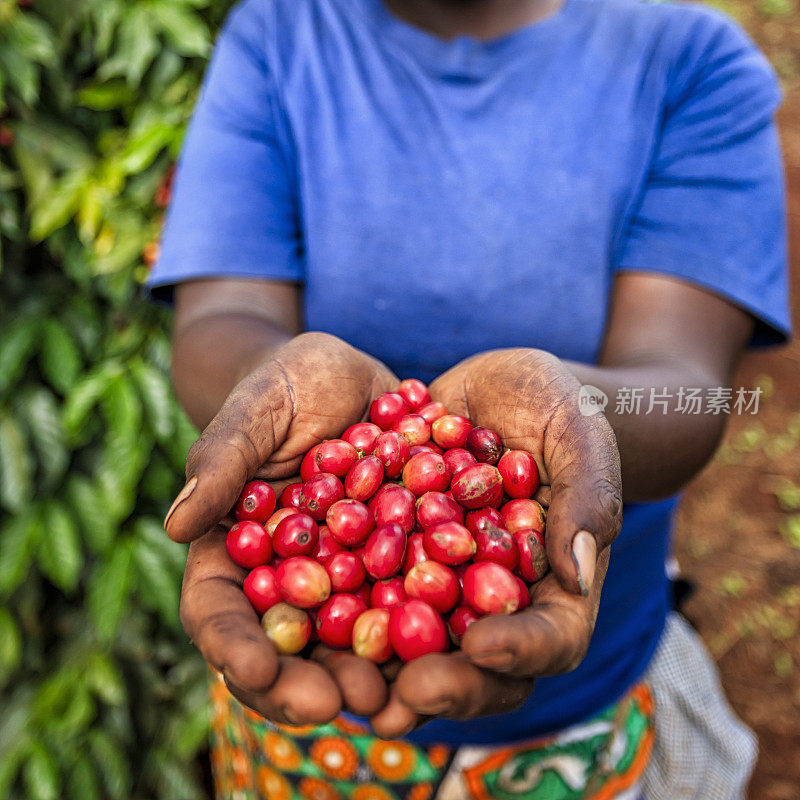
(311, 389)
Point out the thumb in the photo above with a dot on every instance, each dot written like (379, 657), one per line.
(585, 513)
(253, 421)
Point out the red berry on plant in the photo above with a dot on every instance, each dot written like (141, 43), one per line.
(384, 551)
(478, 485)
(256, 502)
(288, 628)
(346, 571)
(490, 588)
(297, 535)
(350, 522)
(336, 619)
(435, 584)
(387, 410)
(261, 588)
(415, 629)
(519, 472)
(364, 478)
(336, 456)
(371, 636)
(303, 582)
(248, 544)
(449, 543)
(414, 392)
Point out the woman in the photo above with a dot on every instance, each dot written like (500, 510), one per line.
(437, 187)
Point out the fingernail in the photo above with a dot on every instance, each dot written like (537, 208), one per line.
(493, 659)
(584, 554)
(184, 495)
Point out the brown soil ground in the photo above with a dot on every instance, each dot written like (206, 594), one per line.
(738, 535)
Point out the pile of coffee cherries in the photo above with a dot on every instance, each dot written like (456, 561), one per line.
(409, 527)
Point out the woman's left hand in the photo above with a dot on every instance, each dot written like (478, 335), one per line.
(531, 399)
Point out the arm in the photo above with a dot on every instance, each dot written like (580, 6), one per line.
(223, 329)
(664, 333)
(661, 332)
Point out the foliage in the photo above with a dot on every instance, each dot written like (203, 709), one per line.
(102, 694)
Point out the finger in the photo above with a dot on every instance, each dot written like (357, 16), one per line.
(304, 694)
(395, 719)
(241, 437)
(219, 618)
(585, 513)
(450, 686)
(548, 638)
(363, 688)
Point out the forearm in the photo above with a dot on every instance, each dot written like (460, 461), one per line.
(660, 452)
(210, 355)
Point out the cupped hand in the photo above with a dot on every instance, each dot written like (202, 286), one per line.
(311, 389)
(531, 399)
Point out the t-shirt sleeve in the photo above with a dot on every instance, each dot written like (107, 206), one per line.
(712, 208)
(234, 210)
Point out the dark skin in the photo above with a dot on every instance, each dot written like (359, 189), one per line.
(661, 332)
(263, 393)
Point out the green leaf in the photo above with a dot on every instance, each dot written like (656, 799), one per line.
(41, 775)
(60, 556)
(16, 346)
(113, 764)
(78, 715)
(106, 96)
(89, 505)
(43, 419)
(137, 46)
(143, 148)
(10, 644)
(105, 680)
(16, 466)
(59, 356)
(18, 540)
(156, 393)
(85, 394)
(185, 32)
(109, 589)
(59, 205)
(83, 781)
(160, 585)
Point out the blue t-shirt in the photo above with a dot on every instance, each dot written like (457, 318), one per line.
(440, 198)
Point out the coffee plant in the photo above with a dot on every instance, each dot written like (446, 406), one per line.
(102, 694)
